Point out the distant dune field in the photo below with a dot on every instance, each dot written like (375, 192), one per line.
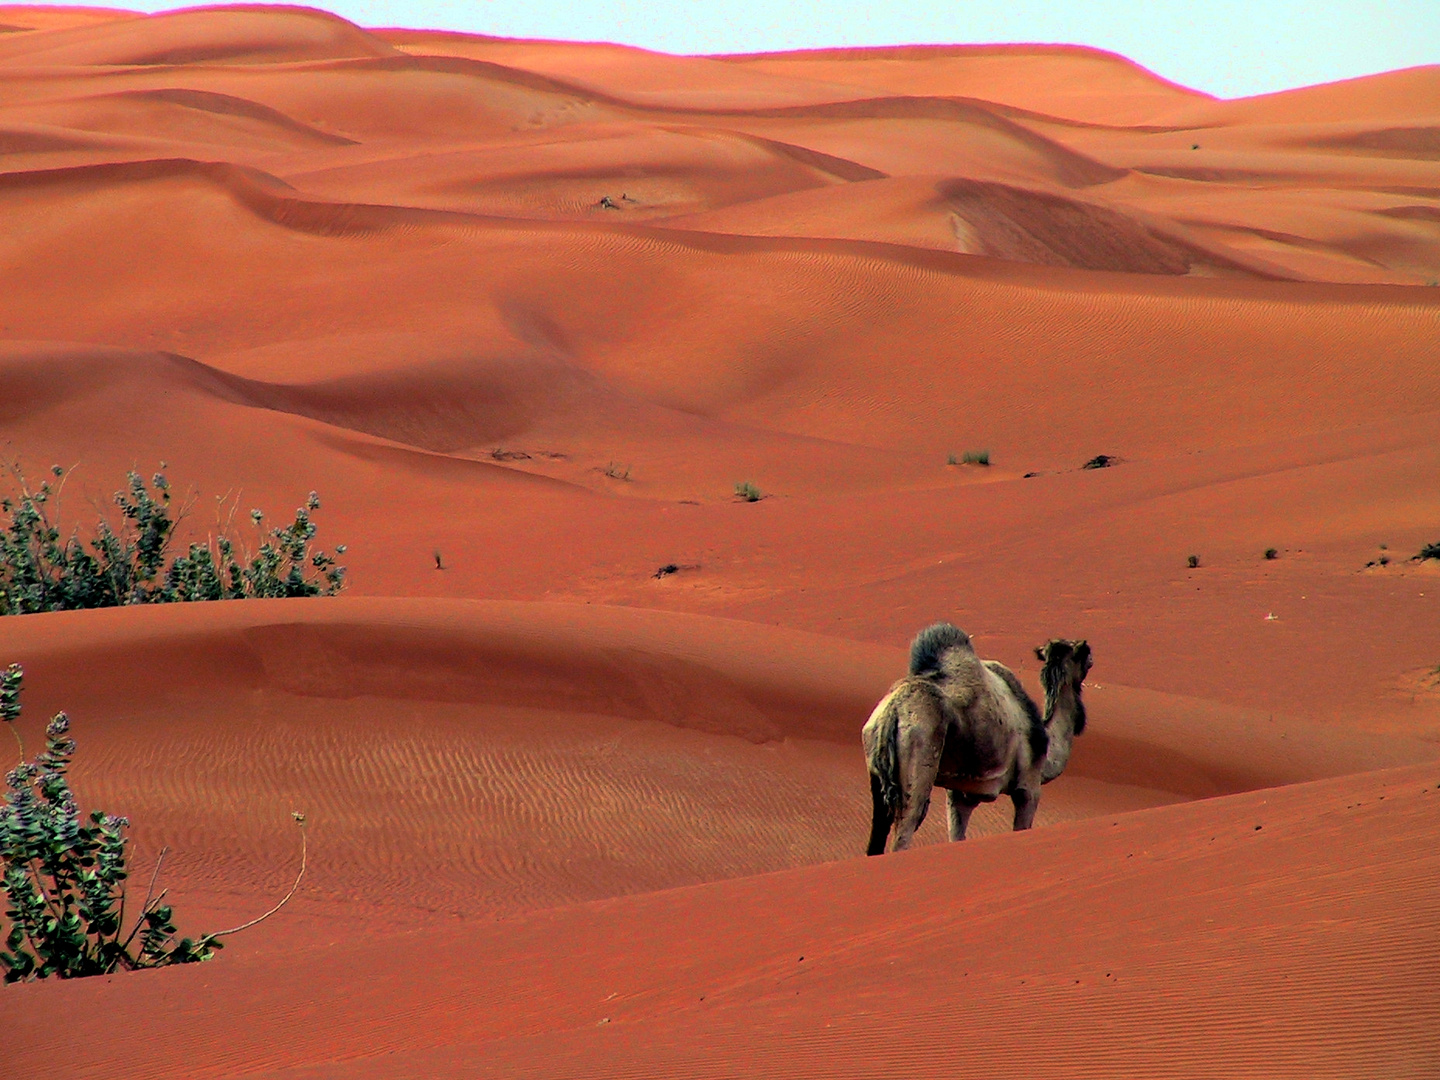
(533, 310)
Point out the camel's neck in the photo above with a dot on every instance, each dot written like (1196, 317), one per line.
(1065, 716)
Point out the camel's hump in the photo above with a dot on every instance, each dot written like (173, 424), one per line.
(931, 643)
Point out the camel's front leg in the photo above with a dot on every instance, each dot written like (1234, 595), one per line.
(1026, 803)
(961, 806)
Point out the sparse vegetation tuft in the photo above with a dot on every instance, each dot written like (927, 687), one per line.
(617, 472)
(748, 491)
(1101, 461)
(1271, 553)
(951, 459)
(975, 457)
(1192, 561)
(1429, 551)
(43, 569)
(65, 880)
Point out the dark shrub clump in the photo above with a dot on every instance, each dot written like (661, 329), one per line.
(64, 874)
(44, 569)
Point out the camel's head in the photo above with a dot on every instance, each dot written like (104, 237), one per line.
(1066, 663)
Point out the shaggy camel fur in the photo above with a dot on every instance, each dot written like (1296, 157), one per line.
(968, 725)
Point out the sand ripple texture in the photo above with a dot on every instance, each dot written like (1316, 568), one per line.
(467, 759)
(1269, 932)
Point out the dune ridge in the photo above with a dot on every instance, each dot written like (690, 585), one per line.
(1322, 896)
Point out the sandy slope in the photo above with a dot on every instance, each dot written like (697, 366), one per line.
(477, 757)
(1263, 933)
(531, 310)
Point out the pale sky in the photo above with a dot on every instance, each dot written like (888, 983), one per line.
(1231, 48)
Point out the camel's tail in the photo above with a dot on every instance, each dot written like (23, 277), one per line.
(883, 760)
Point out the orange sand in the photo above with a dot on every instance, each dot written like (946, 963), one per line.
(537, 308)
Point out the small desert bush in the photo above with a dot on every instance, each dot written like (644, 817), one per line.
(65, 874)
(1192, 561)
(1271, 553)
(975, 457)
(42, 568)
(748, 491)
(1429, 551)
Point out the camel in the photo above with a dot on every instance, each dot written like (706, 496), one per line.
(968, 725)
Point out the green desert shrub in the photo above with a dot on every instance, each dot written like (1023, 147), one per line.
(44, 568)
(975, 457)
(1429, 551)
(65, 874)
(748, 491)
(1192, 561)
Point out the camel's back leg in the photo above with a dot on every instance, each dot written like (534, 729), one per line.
(881, 818)
(1026, 803)
(920, 743)
(961, 806)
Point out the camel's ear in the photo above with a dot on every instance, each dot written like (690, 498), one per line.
(1040, 653)
(1082, 653)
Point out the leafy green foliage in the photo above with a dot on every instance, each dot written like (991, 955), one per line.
(975, 457)
(64, 877)
(43, 569)
(748, 491)
(64, 874)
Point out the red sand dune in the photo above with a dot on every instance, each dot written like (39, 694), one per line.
(1273, 933)
(535, 309)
